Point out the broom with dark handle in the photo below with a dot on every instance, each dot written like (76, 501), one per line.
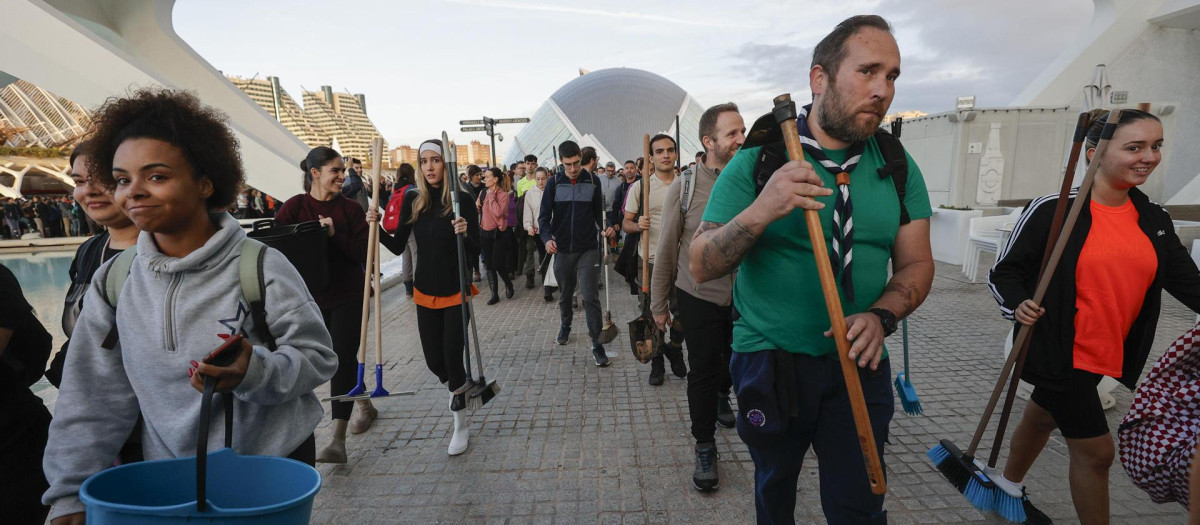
(785, 114)
(461, 395)
(1008, 498)
(956, 465)
(480, 391)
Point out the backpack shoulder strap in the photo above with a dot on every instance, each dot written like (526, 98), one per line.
(114, 281)
(687, 190)
(254, 286)
(895, 165)
(117, 274)
(770, 158)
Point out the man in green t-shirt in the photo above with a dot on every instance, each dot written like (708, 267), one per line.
(782, 336)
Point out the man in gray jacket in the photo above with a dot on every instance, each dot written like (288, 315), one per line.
(704, 308)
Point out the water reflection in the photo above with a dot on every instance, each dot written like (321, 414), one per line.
(44, 280)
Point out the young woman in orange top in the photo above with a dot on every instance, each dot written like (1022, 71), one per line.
(1099, 315)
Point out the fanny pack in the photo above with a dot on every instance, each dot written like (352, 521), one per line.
(765, 385)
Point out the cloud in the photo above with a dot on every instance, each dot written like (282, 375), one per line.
(949, 48)
(583, 11)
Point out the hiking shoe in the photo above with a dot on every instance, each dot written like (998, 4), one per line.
(675, 355)
(563, 333)
(1033, 516)
(725, 416)
(657, 371)
(600, 355)
(705, 476)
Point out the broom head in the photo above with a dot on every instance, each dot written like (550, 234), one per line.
(908, 395)
(610, 331)
(483, 392)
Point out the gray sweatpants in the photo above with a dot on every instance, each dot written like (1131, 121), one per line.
(583, 269)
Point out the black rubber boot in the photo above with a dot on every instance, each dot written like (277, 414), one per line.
(508, 288)
(494, 285)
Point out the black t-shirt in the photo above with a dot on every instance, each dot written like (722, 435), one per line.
(92, 254)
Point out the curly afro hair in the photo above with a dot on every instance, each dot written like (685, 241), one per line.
(175, 117)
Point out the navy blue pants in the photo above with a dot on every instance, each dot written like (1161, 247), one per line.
(826, 423)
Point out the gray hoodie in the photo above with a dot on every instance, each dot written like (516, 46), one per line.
(172, 311)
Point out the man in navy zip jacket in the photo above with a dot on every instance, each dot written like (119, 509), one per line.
(568, 223)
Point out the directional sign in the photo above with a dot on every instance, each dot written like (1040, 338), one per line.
(469, 122)
(473, 128)
(512, 120)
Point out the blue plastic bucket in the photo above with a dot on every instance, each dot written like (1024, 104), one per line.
(241, 489)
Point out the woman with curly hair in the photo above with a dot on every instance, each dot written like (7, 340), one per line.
(428, 215)
(169, 161)
(341, 300)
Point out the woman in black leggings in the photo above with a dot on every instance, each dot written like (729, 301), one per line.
(428, 215)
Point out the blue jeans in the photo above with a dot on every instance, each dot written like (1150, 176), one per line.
(825, 422)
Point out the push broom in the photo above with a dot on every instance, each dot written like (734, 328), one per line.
(785, 115)
(961, 469)
(1009, 496)
(372, 268)
(480, 391)
(904, 387)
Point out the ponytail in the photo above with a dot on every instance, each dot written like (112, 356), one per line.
(317, 158)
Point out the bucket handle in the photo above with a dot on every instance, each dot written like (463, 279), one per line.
(210, 387)
(308, 226)
(263, 223)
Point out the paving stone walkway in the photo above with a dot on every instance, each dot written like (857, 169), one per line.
(567, 442)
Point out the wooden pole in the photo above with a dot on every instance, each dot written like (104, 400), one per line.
(833, 304)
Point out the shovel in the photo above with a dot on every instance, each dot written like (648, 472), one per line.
(644, 338)
(610, 331)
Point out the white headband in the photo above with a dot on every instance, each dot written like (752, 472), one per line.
(430, 146)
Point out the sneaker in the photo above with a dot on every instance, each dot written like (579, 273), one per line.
(600, 355)
(477, 277)
(563, 333)
(725, 415)
(657, 371)
(705, 478)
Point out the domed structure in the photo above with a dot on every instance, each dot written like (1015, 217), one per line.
(610, 110)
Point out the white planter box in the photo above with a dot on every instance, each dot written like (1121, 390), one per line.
(949, 231)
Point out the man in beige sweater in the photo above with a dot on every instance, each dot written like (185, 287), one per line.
(704, 308)
(663, 155)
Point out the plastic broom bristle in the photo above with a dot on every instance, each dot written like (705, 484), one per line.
(1010, 508)
(908, 396)
(983, 498)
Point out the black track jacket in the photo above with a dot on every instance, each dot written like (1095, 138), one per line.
(1051, 348)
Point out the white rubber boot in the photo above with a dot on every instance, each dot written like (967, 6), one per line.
(458, 442)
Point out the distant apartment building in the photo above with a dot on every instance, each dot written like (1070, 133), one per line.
(472, 153)
(404, 154)
(324, 117)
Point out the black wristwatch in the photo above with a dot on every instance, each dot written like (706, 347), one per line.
(887, 318)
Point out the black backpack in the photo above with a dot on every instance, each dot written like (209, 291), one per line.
(773, 155)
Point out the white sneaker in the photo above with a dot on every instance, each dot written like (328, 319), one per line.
(458, 442)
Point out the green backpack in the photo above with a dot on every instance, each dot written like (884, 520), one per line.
(250, 273)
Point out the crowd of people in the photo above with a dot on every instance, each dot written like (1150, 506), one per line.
(45, 216)
(158, 163)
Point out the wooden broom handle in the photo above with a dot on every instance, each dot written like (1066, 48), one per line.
(1047, 274)
(373, 262)
(647, 172)
(833, 304)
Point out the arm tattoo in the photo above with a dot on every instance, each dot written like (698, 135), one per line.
(724, 246)
(908, 294)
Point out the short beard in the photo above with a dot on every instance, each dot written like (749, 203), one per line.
(838, 121)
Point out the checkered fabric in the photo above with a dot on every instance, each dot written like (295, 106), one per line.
(1159, 434)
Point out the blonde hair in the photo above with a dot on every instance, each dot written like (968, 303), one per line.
(423, 199)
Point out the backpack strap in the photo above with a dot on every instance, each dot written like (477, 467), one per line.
(114, 281)
(895, 165)
(254, 287)
(687, 191)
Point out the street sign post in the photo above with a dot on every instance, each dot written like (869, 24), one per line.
(488, 125)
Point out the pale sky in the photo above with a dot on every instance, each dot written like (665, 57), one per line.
(426, 64)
